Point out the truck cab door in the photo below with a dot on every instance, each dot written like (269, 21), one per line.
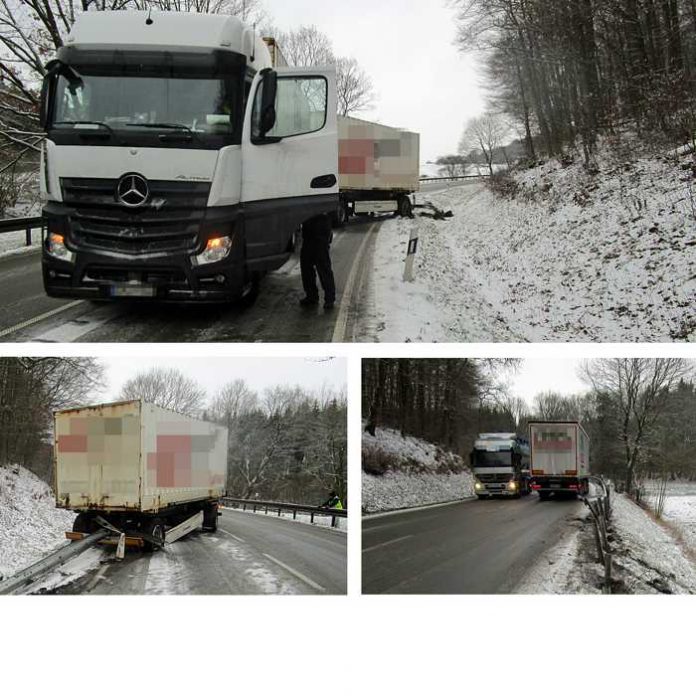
(289, 156)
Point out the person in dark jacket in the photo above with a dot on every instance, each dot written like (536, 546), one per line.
(333, 502)
(315, 260)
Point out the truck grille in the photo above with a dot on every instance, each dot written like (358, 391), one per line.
(494, 478)
(168, 222)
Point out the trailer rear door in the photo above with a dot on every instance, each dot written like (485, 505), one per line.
(554, 447)
(97, 453)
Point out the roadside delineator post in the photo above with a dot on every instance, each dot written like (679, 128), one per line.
(409, 273)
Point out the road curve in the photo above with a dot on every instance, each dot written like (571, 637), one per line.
(249, 555)
(26, 314)
(473, 547)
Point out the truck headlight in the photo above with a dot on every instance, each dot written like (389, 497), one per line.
(217, 249)
(56, 247)
(478, 486)
(512, 486)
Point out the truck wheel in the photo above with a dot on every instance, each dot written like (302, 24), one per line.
(338, 219)
(210, 518)
(405, 209)
(84, 524)
(156, 529)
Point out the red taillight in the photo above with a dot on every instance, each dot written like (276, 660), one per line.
(536, 487)
(574, 487)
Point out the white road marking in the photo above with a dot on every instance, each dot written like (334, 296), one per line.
(73, 330)
(97, 577)
(296, 573)
(339, 334)
(387, 543)
(233, 536)
(433, 506)
(41, 317)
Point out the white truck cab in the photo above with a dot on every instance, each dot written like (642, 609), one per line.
(178, 162)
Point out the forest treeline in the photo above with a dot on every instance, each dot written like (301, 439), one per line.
(285, 443)
(640, 413)
(574, 69)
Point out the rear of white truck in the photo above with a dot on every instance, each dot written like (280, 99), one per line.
(560, 453)
(141, 469)
(178, 163)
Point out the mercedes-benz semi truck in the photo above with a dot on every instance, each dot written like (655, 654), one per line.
(178, 162)
(501, 465)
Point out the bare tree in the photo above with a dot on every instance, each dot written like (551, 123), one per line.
(639, 387)
(486, 134)
(232, 401)
(306, 46)
(167, 388)
(354, 85)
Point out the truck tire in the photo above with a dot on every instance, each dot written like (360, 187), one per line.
(210, 518)
(339, 218)
(405, 209)
(84, 524)
(154, 528)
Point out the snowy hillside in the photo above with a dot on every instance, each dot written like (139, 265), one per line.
(30, 524)
(570, 256)
(401, 472)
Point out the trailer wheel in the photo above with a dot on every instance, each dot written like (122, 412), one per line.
(84, 524)
(210, 518)
(156, 529)
(339, 218)
(405, 209)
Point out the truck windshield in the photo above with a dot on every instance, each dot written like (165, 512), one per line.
(191, 106)
(482, 459)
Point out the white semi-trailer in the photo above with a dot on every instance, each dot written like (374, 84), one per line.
(141, 469)
(178, 163)
(378, 166)
(501, 465)
(560, 458)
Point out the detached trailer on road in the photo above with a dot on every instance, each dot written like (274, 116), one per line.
(139, 469)
(560, 458)
(378, 166)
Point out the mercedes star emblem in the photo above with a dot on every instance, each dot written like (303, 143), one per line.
(132, 190)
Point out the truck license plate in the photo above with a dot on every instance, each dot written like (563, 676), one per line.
(555, 485)
(132, 291)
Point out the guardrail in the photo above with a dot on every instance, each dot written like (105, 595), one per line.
(53, 560)
(18, 224)
(266, 506)
(599, 505)
(426, 179)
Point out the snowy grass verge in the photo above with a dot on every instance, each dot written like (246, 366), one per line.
(30, 524)
(12, 243)
(572, 256)
(401, 472)
(649, 559)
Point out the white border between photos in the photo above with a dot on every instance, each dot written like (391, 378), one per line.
(355, 645)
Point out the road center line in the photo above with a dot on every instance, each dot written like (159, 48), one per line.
(339, 334)
(387, 543)
(296, 573)
(41, 317)
(233, 536)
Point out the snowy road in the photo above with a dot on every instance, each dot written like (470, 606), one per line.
(249, 554)
(474, 547)
(26, 314)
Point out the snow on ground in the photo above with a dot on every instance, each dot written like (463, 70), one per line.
(562, 568)
(649, 558)
(573, 257)
(415, 472)
(15, 242)
(30, 524)
(680, 509)
(302, 518)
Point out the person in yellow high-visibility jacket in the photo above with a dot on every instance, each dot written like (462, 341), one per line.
(334, 502)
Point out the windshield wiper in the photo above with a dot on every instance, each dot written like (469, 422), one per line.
(85, 123)
(172, 126)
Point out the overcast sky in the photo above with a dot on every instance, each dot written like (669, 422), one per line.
(540, 375)
(422, 82)
(213, 373)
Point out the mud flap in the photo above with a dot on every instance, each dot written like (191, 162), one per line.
(121, 547)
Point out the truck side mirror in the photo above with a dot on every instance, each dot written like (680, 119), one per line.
(268, 99)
